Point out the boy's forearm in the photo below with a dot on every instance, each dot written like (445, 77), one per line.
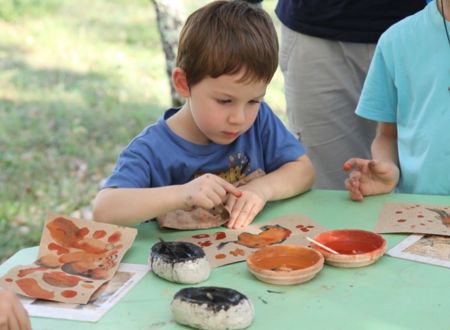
(130, 206)
(384, 146)
(289, 180)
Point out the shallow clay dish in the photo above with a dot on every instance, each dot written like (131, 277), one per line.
(285, 264)
(356, 248)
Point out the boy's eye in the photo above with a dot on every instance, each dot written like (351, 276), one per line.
(223, 101)
(255, 102)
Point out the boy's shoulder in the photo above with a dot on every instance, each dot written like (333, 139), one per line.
(154, 133)
(265, 110)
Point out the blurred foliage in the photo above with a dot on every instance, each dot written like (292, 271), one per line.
(11, 10)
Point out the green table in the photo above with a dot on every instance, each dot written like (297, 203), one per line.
(391, 294)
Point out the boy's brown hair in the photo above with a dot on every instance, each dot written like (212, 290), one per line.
(224, 37)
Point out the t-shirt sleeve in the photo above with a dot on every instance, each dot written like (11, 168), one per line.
(378, 100)
(280, 145)
(132, 170)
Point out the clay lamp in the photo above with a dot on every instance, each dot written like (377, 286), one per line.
(285, 264)
(179, 262)
(355, 248)
(212, 308)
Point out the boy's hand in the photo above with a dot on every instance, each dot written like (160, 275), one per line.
(207, 191)
(245, 208)
(12, 314)
(370, 177)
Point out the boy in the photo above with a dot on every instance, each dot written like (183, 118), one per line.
(407, 91)
(227, 55)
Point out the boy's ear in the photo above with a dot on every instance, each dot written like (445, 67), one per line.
(180, 82)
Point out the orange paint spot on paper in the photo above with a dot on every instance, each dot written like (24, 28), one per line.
(92, 245)
(58, 248)
(401, 220)
(49, 260)
(220, 235)
(236, 252)
(115, 237)
(61, 279)
(205, 243)
(221, 256)
(63, 231)
(26, 271)
(69, 293)
(99, 234)
(31, 288)
(81, 233)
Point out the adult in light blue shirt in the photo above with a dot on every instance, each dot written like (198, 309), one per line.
(407, 91)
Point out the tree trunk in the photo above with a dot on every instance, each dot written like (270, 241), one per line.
(170, 16)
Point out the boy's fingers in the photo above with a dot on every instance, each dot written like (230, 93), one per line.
(250, 216)
(356, 163)
(356, 196)
(235, 191)
(231, 202)
(22, 316)
(354, 177)
(347, 166)
(350, 163)
(244, 215)
(13, 322)
(229, 187)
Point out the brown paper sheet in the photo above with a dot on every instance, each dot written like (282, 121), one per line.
(76, 257)
(229, 246)
(414, 218)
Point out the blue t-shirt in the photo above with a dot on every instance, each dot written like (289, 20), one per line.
(158, 157)
(408, 84)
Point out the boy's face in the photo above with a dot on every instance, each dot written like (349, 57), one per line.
(224, 108)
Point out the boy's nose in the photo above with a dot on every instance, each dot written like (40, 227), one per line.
(237, 116)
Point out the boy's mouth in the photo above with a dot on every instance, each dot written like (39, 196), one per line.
(231, 134)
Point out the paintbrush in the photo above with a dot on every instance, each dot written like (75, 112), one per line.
(321, 245)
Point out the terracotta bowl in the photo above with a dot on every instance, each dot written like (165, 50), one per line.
(356, 248)
(285, 264)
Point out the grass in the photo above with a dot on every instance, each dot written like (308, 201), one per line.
(77, 84)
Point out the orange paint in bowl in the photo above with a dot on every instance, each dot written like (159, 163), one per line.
(356, 247)
(285, 264)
